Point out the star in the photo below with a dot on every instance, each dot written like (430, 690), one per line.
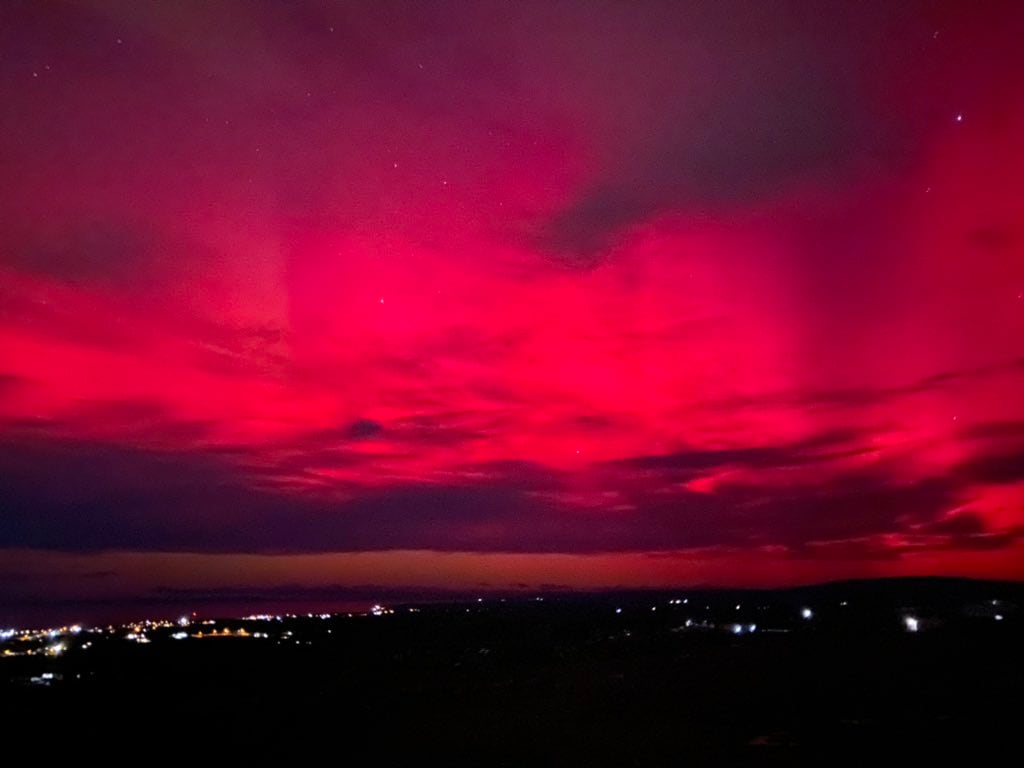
(959, 117)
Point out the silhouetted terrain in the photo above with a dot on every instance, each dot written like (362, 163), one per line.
(621, 679)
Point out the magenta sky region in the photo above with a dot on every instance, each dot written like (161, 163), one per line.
(489, 296)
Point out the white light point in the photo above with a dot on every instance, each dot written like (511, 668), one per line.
(911, 623)
(807, 613)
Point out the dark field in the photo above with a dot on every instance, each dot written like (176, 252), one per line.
(560, 681)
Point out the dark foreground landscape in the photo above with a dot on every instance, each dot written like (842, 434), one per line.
(918, 668)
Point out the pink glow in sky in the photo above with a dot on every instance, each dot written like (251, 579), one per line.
(489, 296)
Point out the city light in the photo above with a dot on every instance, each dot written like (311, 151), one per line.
(61, 640)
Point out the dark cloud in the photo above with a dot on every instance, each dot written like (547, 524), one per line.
(965, 523)
(822, 447)
(775, 105)
(964, 529)
(140, 419)
(592, 422)
(86, 496)
(437, 428)
(997, 467)
(759, 133)
(864, 504)
(995, 430)
(362, 429)
(522, 475)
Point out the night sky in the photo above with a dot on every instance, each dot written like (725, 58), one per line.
(507, 296)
